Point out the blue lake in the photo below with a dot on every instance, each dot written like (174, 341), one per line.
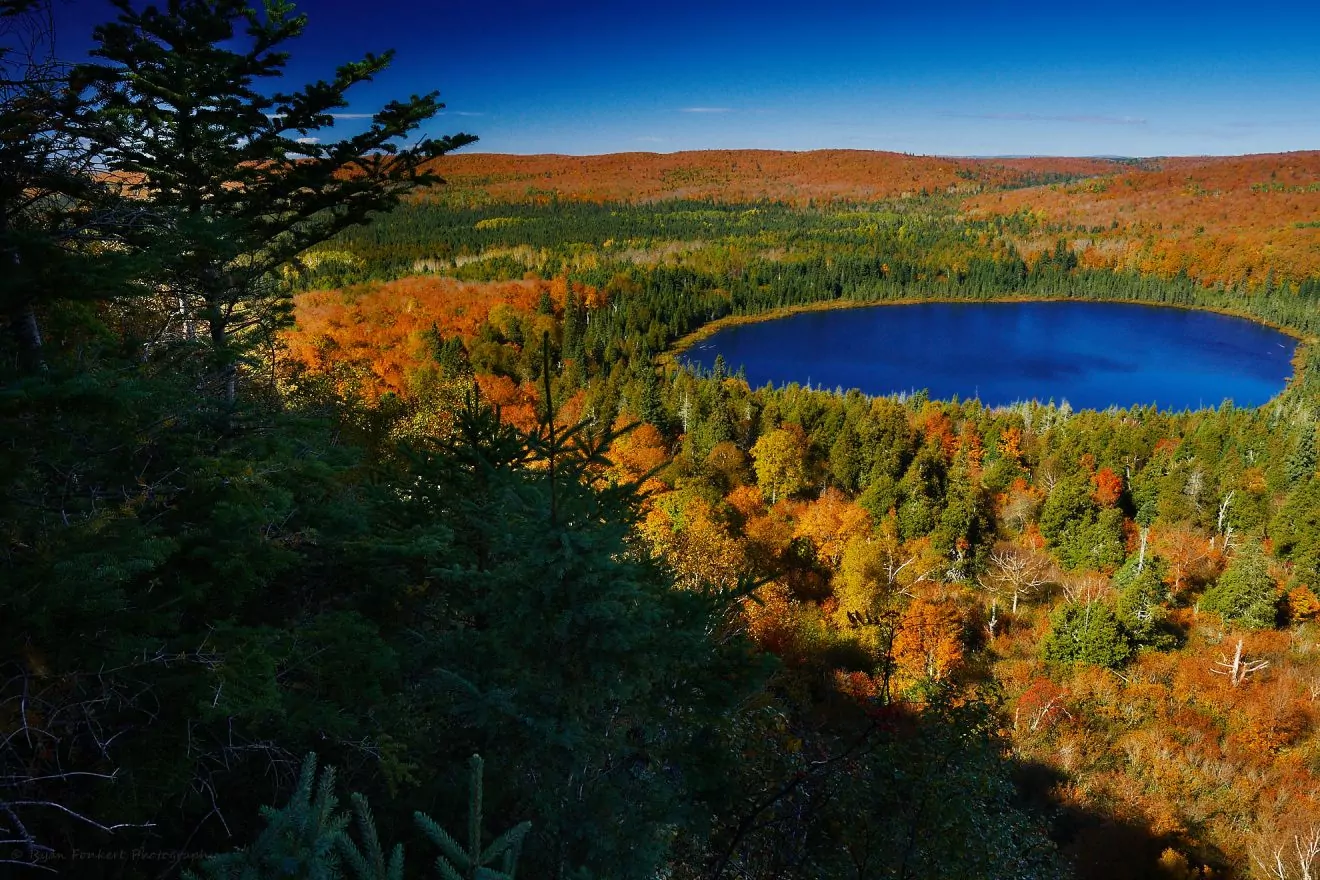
(1094, 355)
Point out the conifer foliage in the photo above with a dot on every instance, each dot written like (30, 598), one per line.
(238, 180)
(309, 838)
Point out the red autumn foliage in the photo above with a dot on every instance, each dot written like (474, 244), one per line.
(1039, 706)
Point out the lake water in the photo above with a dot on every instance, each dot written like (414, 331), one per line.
(1094, 355)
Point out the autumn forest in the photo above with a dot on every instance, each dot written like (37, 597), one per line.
(361, 519)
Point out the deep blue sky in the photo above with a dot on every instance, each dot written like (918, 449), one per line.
(950, 78)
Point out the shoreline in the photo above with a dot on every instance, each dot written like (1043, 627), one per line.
(670, 356)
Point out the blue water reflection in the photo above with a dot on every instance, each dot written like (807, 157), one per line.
(1094, 355)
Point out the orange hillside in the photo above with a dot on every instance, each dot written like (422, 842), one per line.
(741, 175)
(1219, 219)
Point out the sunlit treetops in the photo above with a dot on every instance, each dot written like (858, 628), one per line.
(1217, 219)
(743, 175)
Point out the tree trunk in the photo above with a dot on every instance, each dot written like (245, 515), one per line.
(23, 321)
(27, 334)
(226, 373)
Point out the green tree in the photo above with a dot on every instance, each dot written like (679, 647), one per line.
(545, 636)
(1069, 504)
(309, 837)
(1245, 594)
(845, 460)
(54, 209)
(1081, 535)
(1087, 632)
(154, 580)
(1141, 604)
(1296, 530)
(1302, 461)
(237, 181)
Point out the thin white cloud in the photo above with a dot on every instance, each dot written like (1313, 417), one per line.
(1084, 118)
(309, 140)
(705, 110)
(352, 115)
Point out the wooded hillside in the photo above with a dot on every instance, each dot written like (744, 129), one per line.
(743, 175)
(1216, 219)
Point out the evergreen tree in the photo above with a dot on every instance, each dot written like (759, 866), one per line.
(1245, 594)
(1087, 633)
(309, 838)
(1296, 530)
(645, 399)
(1302, 462)
(53, 206)
(238, 183)
(1141, 604)
(574, 326)
(549, 639)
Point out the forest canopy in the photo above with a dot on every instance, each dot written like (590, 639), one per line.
(330, 465)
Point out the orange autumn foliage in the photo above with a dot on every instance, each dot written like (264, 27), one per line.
(928, 643)
(639, 452)
(1192, 556)
(685, 531)
(1039, 706)
(1177, 749)
(734, 175)
(1219, 219)
(830, 522)
(971, 448)
(748, 501)
(378, 334)
(1108, 487)
(1010, 444)
(770, 618)
(936, 427)
(518, 405)
(859, 686)
(1301, 603)
(382, 327)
